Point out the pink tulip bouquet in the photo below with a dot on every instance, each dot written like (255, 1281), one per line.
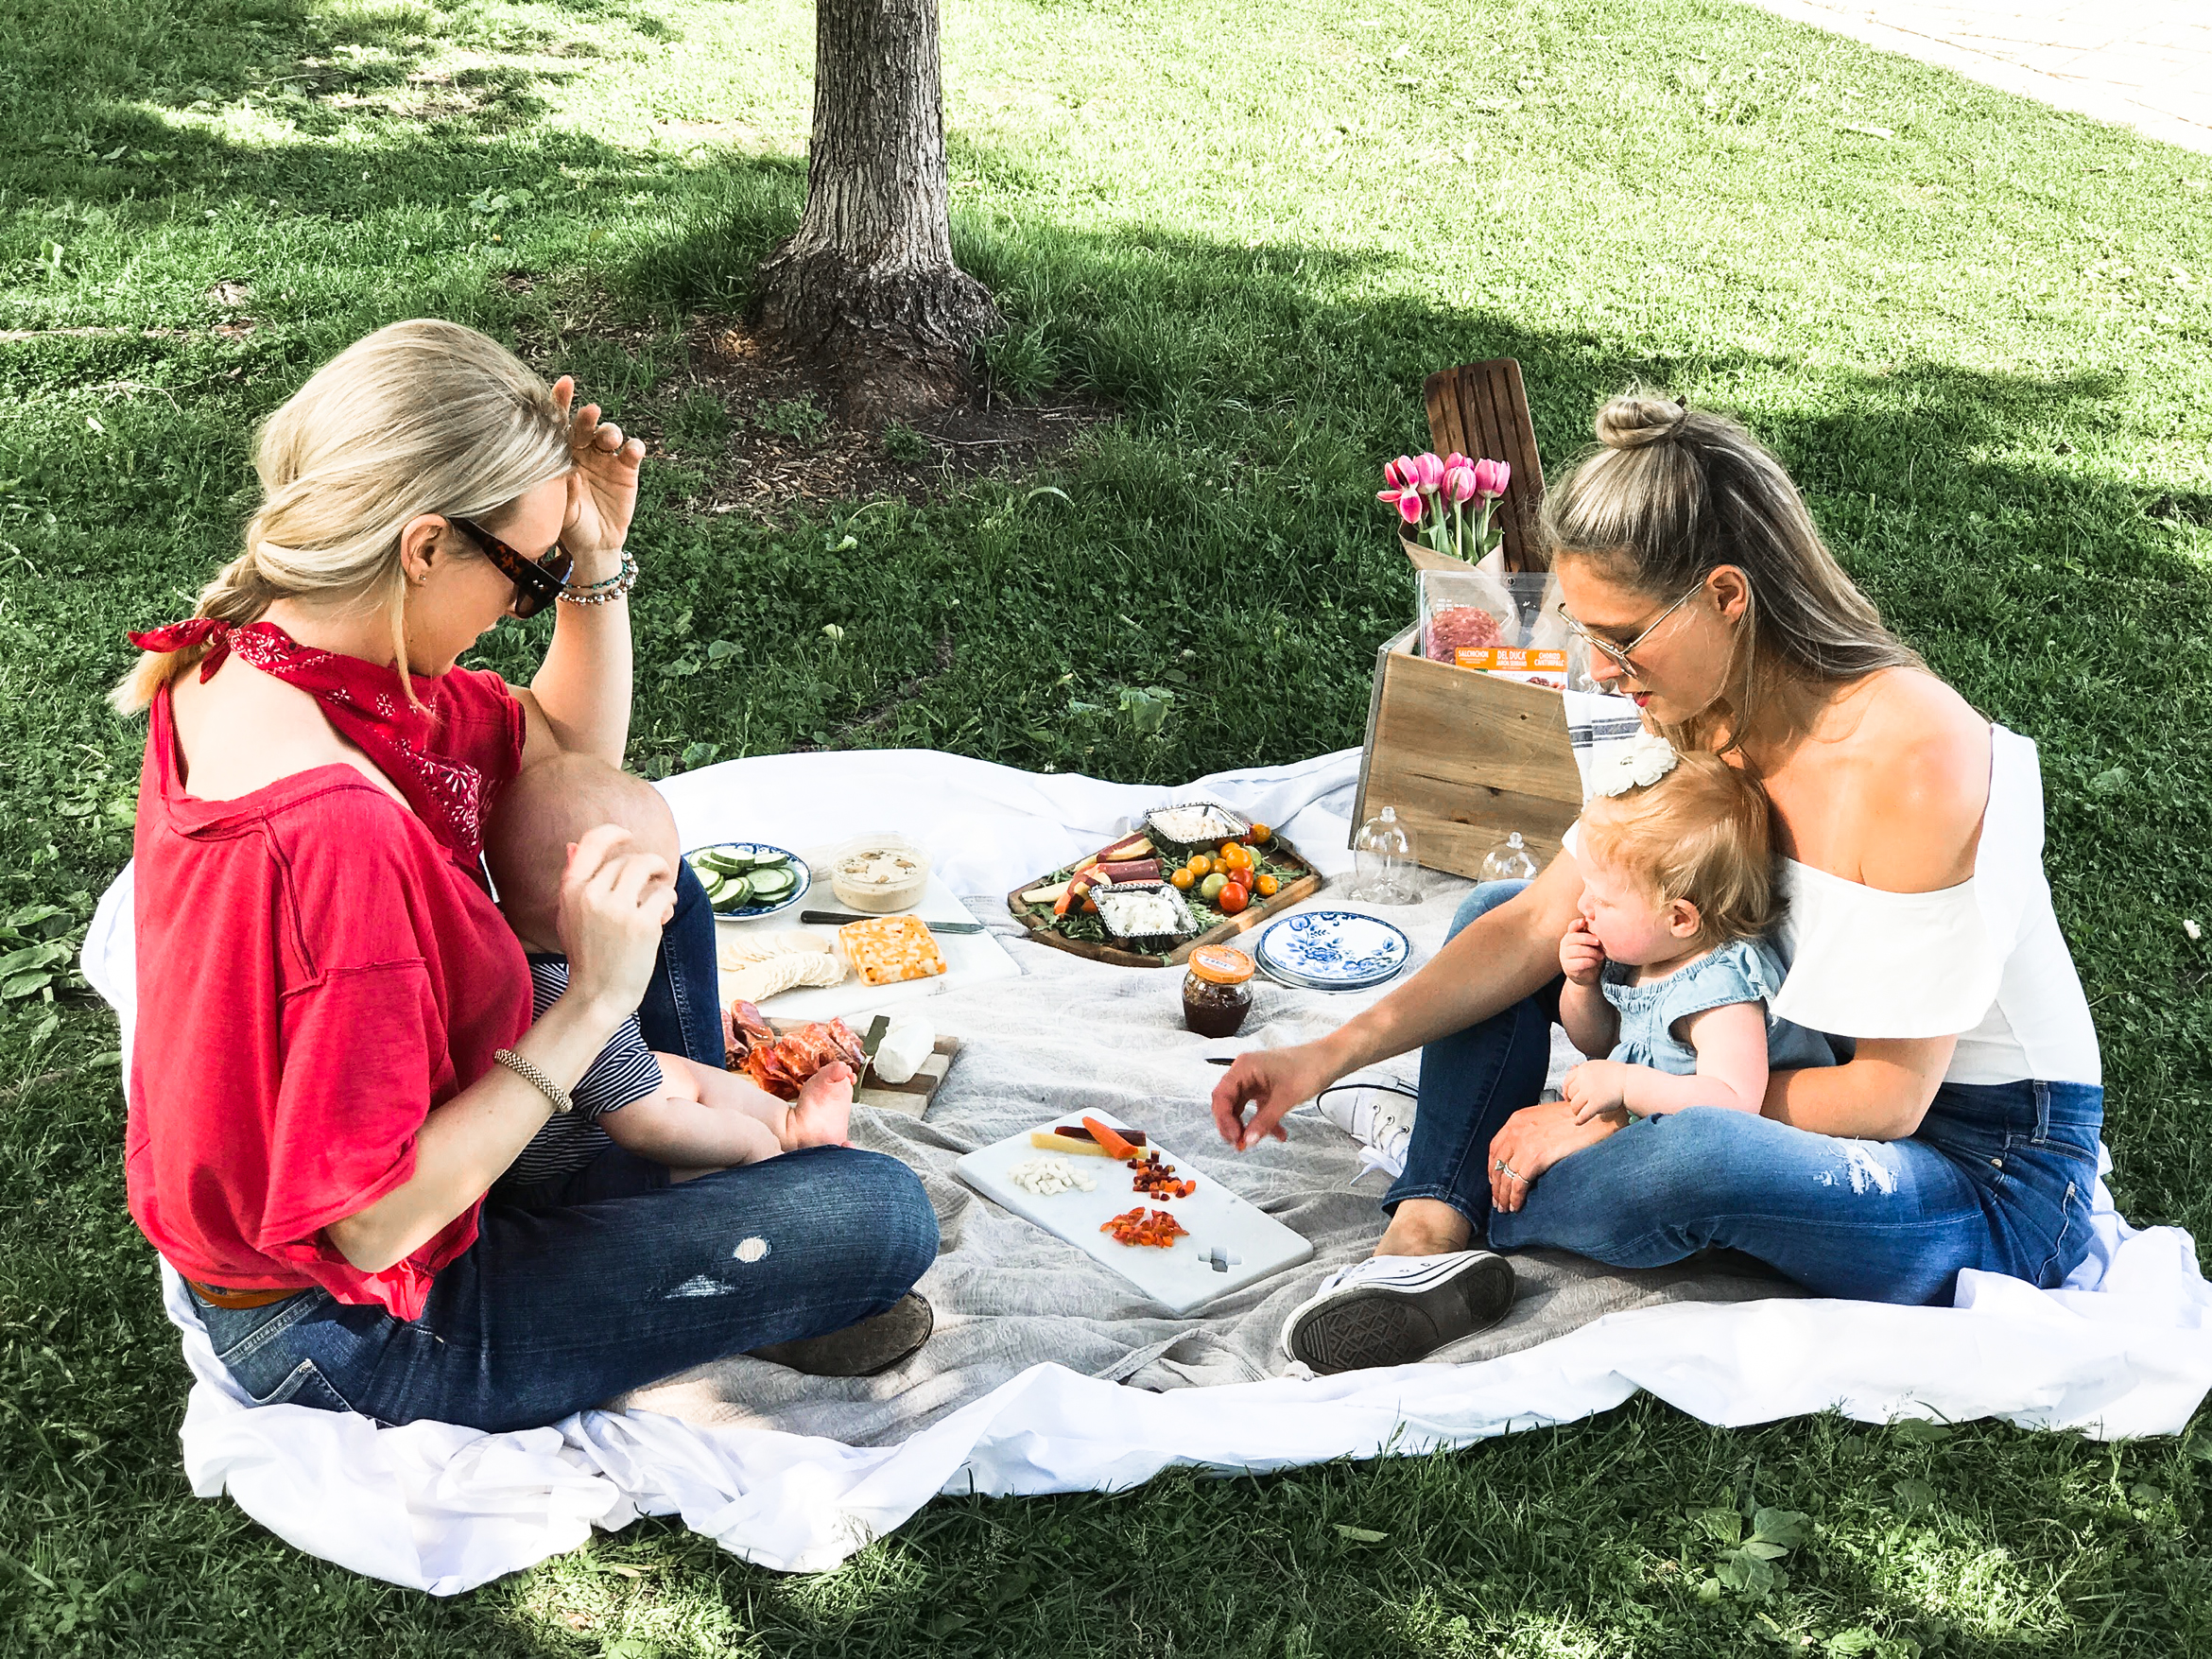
(1447, 502)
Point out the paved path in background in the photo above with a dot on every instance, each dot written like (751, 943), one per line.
(2140, 63)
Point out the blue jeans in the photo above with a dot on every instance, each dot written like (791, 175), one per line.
(616, 1278)
(1998, 1176)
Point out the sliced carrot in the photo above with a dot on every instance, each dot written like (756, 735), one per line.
(1116, 1146)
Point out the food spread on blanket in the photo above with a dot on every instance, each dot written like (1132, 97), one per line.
(889, 949)
(1192, 867)
(879, 874)
(736, 879)
(782, 1064)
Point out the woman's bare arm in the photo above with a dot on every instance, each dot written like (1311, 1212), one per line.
(579, 701)
(1499, 959)
(1880, 1095)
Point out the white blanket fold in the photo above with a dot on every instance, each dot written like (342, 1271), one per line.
(796, 1475)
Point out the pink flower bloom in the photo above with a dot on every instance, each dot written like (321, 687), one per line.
(1490, 478)
(1392, 477)
(1459, 484)
(1427, 472)
(1456, 459)
(1409, 505)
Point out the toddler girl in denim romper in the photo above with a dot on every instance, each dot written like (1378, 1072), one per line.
(1668, 972)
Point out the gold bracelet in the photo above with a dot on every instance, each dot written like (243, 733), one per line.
(530, 1073)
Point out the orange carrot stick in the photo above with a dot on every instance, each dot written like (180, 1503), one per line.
(1116, 1146)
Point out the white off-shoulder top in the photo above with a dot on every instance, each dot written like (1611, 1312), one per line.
(1985, 960)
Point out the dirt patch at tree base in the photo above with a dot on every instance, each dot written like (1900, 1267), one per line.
(760, 425)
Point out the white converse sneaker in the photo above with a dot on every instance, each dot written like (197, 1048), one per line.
(1377, 1114)
(1394, 1309)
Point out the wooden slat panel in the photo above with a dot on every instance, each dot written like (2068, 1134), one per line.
(1482, 410)
(1466, 758)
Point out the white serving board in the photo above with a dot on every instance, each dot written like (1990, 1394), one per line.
(1183, 1277)
(970, 958)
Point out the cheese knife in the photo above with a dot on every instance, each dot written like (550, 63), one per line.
(838, 919)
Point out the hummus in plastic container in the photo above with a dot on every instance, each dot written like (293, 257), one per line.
(879, 874)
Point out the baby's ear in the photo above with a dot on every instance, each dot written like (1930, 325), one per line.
(1683, 919)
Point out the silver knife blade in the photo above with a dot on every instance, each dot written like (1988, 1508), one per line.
(838, 918)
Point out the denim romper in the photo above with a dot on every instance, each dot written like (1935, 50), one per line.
(1746, 970)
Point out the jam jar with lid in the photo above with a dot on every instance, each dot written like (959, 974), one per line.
(1217, 993)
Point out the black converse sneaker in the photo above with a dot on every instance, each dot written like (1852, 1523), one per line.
(1394, 1309)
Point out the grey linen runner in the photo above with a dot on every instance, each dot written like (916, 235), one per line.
(1072, 1036)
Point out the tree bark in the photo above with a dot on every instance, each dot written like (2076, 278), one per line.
(867, 285)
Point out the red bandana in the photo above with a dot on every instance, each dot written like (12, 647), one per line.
(363, 703)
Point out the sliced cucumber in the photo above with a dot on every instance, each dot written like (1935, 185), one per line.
(727, 863)
(735, 894)
(770, 886)
(771, 861)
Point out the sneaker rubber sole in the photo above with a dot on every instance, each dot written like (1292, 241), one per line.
(1370, 1325)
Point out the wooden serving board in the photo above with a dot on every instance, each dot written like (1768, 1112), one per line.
(1039, 923)
(911, 1096)
(1231, 1242)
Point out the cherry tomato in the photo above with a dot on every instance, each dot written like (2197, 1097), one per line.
(1183, 879)
(1213, 888)
(1232, 898)
(1199, 865)
(1260, 834)
(1267, 887)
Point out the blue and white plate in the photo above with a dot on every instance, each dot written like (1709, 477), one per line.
(747, 912)
(1334, 950)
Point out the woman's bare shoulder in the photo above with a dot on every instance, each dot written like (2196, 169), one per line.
(1919, 759)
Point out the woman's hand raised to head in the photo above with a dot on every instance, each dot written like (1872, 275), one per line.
(602, 491)
(1271, 1081)
(614, 904)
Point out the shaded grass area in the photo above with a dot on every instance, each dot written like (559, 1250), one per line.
(1980, 343)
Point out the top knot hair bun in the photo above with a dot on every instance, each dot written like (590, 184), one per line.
(1629, 423)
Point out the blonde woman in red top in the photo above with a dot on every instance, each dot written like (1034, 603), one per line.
(334, 1058)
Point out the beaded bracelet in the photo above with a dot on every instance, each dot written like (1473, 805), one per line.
(530, 1074)
(599, 592)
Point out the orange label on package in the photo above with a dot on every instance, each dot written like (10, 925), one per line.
(1507, 660)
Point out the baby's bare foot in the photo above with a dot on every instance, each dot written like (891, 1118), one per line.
(823, 1115)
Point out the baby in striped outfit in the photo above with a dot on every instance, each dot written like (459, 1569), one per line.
(664, 1107)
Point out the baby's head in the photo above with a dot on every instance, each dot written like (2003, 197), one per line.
(549, 807)
(1683, 864)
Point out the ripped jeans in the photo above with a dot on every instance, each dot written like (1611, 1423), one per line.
(1998, 1176)
(616, 1278)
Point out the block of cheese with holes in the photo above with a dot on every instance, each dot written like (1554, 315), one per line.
(887, 949)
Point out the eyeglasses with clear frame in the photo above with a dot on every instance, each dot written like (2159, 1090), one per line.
(537, 581)
(1621, 656)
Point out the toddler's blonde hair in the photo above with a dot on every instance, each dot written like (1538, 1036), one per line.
(1705, 833)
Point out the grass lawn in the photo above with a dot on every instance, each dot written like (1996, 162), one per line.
(1978, 332)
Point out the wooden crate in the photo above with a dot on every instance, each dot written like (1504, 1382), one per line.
(1466, 758)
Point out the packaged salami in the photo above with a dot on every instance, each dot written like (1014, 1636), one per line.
(1502, 623)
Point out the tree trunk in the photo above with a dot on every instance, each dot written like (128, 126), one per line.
(867, 285)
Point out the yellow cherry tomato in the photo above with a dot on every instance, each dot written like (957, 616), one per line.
(1199, 865)
(1266, 886)
(1261, 834)
(1183, 879)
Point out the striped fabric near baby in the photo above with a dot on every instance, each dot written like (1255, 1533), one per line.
(626, 1070)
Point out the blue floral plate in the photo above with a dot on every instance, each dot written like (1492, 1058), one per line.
(1334, 950)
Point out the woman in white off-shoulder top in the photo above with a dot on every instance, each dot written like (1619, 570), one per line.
(1961, 1129)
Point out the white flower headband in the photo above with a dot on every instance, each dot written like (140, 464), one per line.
(1643, 760)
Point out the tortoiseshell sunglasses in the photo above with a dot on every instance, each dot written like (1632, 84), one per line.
(537, 581)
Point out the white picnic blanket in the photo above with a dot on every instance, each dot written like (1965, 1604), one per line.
(2123, 1351)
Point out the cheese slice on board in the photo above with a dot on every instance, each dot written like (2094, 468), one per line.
(885, 950)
